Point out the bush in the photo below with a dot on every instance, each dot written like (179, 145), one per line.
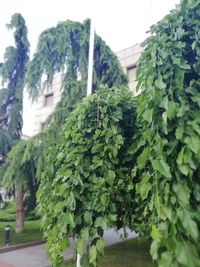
(87, 186)
(7, 213)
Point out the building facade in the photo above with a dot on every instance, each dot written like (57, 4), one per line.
(128, 58)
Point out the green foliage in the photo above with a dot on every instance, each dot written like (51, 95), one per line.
(23, 165)
(86, 186)
(169, 146)
(32, 232)
(64, 49)
(8, 212)
(12, 72)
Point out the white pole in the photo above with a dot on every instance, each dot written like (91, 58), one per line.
(90, 59)
(89, 88)
(78, 262)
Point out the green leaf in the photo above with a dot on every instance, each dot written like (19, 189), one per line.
(147, 115)
(188, 223)
(172, 110)
(96, 148)
(93, 254)
(144, 190)
(101, 222)
(110, 176)
(60, 156)
(184, 169)
(193, 142)
(182, 192)
(187, 254)
(159, 83)
(165, 259)
(179, 133)
(180, 156)
(100, 245)
(162, 167)
(64, 244)
(155, 234)
(80, 246)
(143, 157)
(154, 249)
(88, 217)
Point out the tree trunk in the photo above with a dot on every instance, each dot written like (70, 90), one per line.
(19, 197)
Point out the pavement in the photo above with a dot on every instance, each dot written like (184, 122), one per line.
(35, 256)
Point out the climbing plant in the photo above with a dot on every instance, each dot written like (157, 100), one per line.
(168, 117)
(86, 186)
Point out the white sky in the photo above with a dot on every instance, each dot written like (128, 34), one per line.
(121, 23)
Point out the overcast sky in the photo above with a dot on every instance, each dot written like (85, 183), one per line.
(121, 23)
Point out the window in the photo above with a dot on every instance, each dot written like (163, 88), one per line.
(131, 72)
(48, 100)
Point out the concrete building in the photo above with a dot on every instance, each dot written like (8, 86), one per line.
(40, 110)
(128, 58)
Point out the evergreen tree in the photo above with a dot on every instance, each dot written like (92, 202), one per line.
(13, 72)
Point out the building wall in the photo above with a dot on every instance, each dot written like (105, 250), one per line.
(35, 114)
(129, 58)
(46, 103)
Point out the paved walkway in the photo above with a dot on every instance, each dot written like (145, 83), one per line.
(36, 256)
(4, 264)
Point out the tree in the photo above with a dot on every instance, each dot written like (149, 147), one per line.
(86, 186)
(62, 49)
(168, 117)
(20, 172)
(13, 72)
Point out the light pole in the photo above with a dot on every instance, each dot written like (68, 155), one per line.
(89, 88)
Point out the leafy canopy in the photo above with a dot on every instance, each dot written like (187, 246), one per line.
(86, 186)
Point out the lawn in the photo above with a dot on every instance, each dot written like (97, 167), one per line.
(32, 232)
(130, 253)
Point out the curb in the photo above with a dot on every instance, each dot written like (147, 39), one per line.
(20, 246)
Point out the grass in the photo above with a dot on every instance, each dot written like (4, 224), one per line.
(130, 253)
(31, 232)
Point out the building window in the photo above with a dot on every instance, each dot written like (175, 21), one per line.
(131, 72)
(48, 100)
